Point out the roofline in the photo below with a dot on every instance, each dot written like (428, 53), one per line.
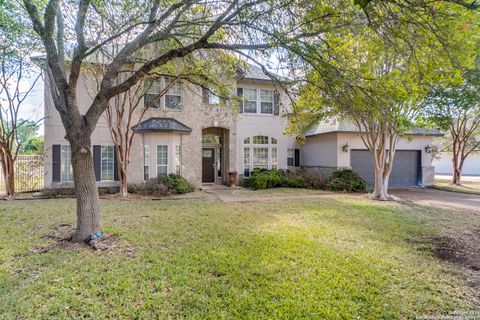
(363, 132)
(161, 130)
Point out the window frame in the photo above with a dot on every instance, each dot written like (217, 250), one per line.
(251, 147)
(63, 163)
(258, 101)
(178, 159)
(177, 84)
(292, 157)
(102, 150)
(146, 162)
(165, 158)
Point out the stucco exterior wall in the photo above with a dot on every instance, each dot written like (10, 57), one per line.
(471, 167)
(320, 151)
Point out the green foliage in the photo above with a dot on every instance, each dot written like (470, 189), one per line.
(33, 146)
(265, 179)
(275, 178)
(167, 185)
(346, 180)
(132, 188)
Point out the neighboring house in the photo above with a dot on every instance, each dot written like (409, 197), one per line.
(471, 167)
(188, 133)
(331, 146)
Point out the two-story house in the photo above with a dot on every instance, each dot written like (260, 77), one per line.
(187, 132)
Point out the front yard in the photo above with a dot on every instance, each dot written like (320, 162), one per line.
(472, 187)
(330, 257)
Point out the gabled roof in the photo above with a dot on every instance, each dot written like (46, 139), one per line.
(255, 73)
(162, 125)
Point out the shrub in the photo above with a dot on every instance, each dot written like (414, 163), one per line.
(293, 179)
(132, 188)
(265, 179)
(346, 180)
(171, 184)
(314, 181)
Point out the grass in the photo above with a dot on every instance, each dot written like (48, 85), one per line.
(466, 187)
(335, 257)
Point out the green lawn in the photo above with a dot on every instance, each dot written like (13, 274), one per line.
(466, 187)
(329, 258)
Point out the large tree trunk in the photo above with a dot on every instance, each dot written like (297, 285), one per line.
(381, 186)
(88, 204)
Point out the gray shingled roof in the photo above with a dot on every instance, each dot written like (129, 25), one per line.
(255, 73)
(162, 125)
(348, 127)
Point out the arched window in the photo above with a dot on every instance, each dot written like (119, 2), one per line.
(259, 152)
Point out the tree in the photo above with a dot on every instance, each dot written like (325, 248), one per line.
(165, 30)
(34, 146)
(376, 78)
(456, 110)
(16, 44)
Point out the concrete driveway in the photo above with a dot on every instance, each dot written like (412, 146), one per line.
(439, 198)
(464, 178)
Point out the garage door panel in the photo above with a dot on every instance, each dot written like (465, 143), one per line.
(405, 172)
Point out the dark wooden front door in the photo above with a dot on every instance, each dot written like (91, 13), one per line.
(208, 165)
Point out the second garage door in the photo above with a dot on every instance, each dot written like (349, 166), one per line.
(405, 172)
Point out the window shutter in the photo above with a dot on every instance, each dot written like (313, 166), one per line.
(56, 163)
(240, 94)
(297, 157)
(115, 164)
(276, 103)
(97, 162)
(205, 95)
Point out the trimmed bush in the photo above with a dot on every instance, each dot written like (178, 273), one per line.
(265, 179)
(167, 185)
(346, 180)
(293, 179)
(314, 181)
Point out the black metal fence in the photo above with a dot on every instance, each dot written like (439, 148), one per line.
(29, 174)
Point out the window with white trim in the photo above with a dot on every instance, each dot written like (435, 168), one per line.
(162, 160)
(274, 158)
(259, 101)
(151, 98)
(259, 152)
(146, 162)
(178, 168)
(246, 162)
(173, 97)
(250, 100)
(290, 157)
(66, 164)
(266, 101)
(107, 165)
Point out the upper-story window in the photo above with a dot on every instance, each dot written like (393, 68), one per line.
(172, 99)
(250, 100)
(266, 101)
(257, 101)
(151, 98)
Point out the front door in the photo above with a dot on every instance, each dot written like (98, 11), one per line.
(208, 165)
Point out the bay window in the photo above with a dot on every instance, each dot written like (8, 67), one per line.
(162, 160)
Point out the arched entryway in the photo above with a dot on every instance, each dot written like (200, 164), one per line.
(215, 157)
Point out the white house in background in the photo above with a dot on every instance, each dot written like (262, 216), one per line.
(471, 167)
(188, 133)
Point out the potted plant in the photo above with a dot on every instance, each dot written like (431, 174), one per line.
(232, 177)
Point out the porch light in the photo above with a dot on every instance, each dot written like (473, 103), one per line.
(345, 147)
(428, 149)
